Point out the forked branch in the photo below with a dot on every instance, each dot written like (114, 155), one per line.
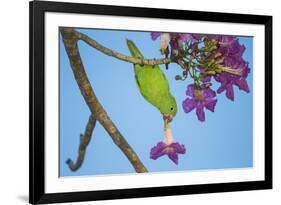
(70, 39)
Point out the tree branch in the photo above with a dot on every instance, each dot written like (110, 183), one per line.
(130, 59)
(120, 56)
(70, 38)
(84, 141)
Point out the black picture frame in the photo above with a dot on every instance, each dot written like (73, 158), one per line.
(37, 10)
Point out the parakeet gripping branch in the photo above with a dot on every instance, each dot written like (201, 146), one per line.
(154, 87)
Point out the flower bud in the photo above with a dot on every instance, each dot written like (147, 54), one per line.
(165, 39)
(178, 77)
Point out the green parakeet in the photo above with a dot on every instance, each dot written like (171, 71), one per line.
(153, 85)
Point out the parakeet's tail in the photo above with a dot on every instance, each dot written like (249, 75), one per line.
(135, 52)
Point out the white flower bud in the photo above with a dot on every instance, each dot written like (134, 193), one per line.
(164, 41)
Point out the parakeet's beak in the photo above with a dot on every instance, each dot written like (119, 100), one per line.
(168, 118)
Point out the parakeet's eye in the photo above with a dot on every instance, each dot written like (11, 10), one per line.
(172, 108)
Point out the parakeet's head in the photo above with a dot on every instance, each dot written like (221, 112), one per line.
(169, 108)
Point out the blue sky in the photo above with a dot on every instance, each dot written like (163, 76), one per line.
(223, 141)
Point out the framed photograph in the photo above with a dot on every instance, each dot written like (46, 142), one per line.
(140, 102)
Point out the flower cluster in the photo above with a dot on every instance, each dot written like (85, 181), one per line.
(232, 52)
(204, 58)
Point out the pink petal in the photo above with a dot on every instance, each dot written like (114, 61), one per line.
(154, 35)
(221, 89)
(210, 104)
(174, 157)
(200, 113)
(188, 105)
(190, 90)
(230, 92)
(243, 85)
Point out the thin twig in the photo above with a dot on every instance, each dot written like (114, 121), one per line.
(70, 42)
(121, 56)
(84, 141)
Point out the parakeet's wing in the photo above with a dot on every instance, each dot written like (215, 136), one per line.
(152, 84)
(151, 81)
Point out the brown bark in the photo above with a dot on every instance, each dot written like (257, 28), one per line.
(70, 39)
